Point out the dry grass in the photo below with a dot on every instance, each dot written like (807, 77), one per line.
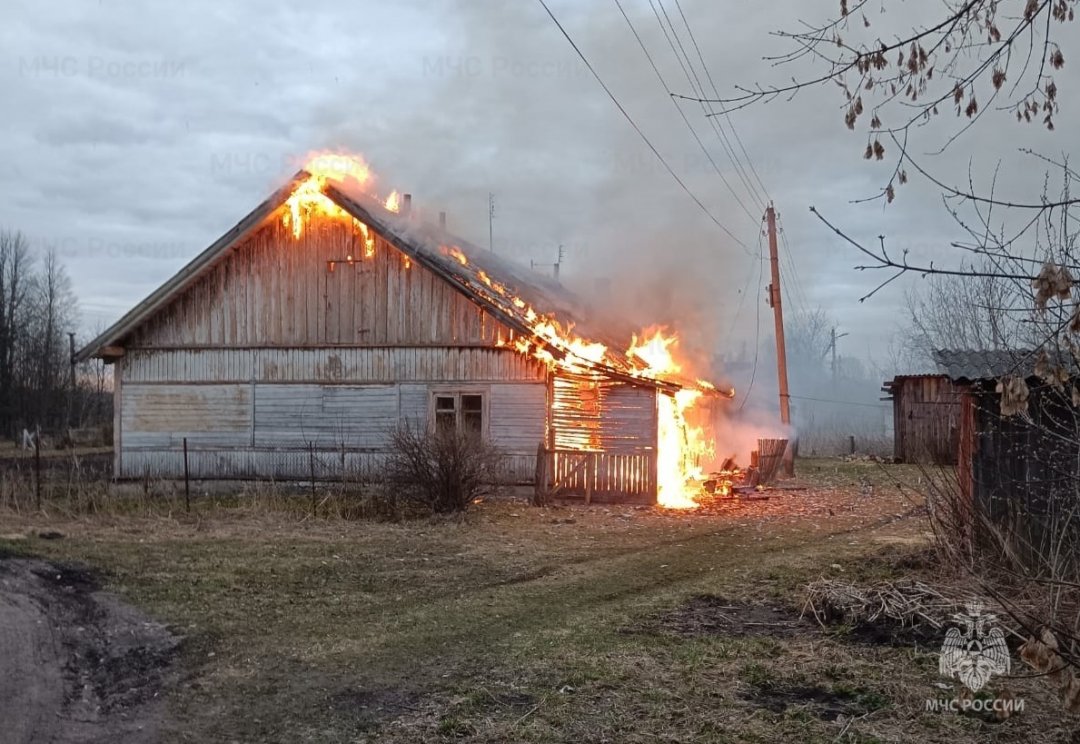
(519, 623)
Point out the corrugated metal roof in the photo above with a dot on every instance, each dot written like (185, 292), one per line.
(968, 364)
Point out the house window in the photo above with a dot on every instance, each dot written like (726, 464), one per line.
(460, 412)
(472, 414)
(445, 413)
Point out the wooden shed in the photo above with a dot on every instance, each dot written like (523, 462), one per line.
(1019, 471)
(926, 418)
(281, 337)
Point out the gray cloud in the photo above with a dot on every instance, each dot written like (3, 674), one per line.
(135, 135)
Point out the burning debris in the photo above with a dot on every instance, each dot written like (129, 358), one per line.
(685, 442)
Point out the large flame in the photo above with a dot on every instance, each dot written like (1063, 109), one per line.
(652, 354)
(308, 201)
(680, 446)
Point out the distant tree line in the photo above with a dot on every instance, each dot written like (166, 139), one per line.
(38, 309)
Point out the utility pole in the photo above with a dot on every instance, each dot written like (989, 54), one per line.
(832, 347)
(491, 222)
(781, 349)
(71, 384)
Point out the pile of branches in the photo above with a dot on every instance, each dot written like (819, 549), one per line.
(906, 603)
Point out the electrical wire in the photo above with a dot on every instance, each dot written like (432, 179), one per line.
(796, 281)
(716, 92)
(639, 131)
(757, 326)
(739, 307)
(883, 404)
(694, 80)
(678, 107)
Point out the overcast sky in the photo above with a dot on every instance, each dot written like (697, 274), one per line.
(134, 134)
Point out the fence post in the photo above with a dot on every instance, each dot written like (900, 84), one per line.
(187, 481)
(851, 443)
(37, 469)
(590, 475)
(311, 459)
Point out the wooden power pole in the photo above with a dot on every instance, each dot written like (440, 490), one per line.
(781, 349)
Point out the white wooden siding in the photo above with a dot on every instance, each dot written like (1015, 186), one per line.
(159, 416)
(517, 422)
(270, 350)
(332, 417)
(329, 365)
(263, 430)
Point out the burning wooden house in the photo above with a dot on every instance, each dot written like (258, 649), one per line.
(326, 317)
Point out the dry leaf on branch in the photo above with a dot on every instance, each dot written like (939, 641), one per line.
(1014, 395)
(1053, 281)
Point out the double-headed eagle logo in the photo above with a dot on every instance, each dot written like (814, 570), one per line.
(976, 652)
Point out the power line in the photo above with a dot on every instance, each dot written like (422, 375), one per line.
(701, 87)
(739, 308)
(695, 83)
(792, 288)
(757, 325)
(841, 402)
(678, 108)
(794, 269)
(716, 91)
(637, 129)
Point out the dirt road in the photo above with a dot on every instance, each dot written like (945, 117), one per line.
(76, 665)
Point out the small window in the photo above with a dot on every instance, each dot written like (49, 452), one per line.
(445, 413)
(472, 414)
(460, 412)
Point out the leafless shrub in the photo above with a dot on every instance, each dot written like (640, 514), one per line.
(442, 472)
(1027, 563)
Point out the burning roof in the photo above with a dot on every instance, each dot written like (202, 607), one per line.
(552, 321)
(548, 323)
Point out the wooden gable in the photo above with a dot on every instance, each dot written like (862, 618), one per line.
(273, 289)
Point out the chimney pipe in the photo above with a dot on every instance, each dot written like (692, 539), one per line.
(406, 205)
(442, 221)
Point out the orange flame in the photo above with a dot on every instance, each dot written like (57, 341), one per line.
(455, 253)
(654, 349)
(308, 200)
(393, 202)
(679, 446)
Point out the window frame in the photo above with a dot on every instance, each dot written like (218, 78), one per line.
(458, 392)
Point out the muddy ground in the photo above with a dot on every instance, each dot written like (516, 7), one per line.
(79, 666)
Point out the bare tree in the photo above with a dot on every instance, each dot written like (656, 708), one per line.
(38, 309)
(13, 261)
(964, 312)
(53, 311)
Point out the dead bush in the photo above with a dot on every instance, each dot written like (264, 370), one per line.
(440, 472)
